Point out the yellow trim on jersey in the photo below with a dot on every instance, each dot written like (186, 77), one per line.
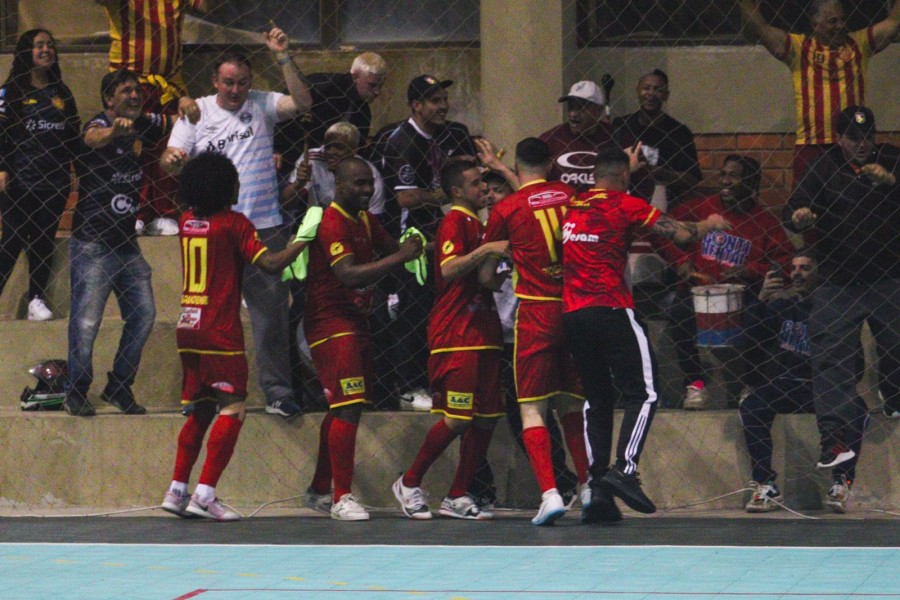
(340, 258)
(532, 182)
(338, 208)
(465, 211)
(650, 216)
(490, 416)
(438, 411)
(348, 403)
(466, 349)
(211, 352)
(332, 337)
(448, 259)
(540, 298)
(550, 395)
(258, 254)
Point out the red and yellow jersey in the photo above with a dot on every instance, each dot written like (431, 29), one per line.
(213, 252)
(531, 219)
(146, 36)
(463, 316)
(333, 310)
(826, 81)
(597, 233)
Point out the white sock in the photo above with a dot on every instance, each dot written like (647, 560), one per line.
(179, 487)
(205, 493)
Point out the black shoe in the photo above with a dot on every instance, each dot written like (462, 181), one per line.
(286, 408)
(602, 508)
(78, 406)
(833, 454)
(121, 396)
(891, 412)
(628, 488)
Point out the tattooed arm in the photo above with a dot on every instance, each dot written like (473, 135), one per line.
(685, 232)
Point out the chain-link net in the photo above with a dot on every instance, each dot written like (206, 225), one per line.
(731, 317)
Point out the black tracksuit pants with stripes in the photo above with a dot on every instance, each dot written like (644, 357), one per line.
(611, 344)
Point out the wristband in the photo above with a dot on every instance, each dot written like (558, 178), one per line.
(284, 60)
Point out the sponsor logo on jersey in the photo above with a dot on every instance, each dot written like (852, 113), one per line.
(194, 300)
(189, 318)
(29, 101)
(337, 248)
(448, 247)
(57, 103)
(729, 250)
(123, 205)
(407, 175)
(547, 198)
(196, 226)
(245, 117)
(459, 400)
(353, 385)
(220, 144)
(120, 177)
(42, 125)
(569, 235)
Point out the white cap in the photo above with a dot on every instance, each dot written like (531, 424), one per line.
(586, 90)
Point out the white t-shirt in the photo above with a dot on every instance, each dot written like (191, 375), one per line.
(321, 183)
(246, 137)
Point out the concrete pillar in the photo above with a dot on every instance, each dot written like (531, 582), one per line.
(521, 68)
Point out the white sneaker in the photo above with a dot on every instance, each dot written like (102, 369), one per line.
(317, 502)
(766, 498)
(695, 397)
(177, 503)
(839, 495)
(418, 399)
(412, 500)
(214, 510)
(552, 508)
(38, 311)
(349, 509)
(584, 494)
(139, 227)
(162, 226)
(463, 507)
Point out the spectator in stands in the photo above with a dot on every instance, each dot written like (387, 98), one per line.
(465, 340)
(105, 256)
(238, 122)
(146, 39)
(343, 271)
(741, 255)
(828, 68)
(39, 130)
(336, 97)
(847, 200)
(209, 332)
(531, 219)
(496, 187)
(597, 305)
(413, 157)
(575, 143)
(788, 390)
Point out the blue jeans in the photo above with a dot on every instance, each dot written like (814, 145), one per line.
(97, 270)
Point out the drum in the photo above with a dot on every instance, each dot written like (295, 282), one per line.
(719, 309)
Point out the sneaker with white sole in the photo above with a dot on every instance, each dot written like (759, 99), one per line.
(552, 508)
(417, 399)
(318, 502)
(765, 498)
(839, 495)
(285, 407)
(833, 454)
(348, 508)
(214, 510)
(412, 500)
(38, 311)
(695, 398)
(177, 503)
(161, 226)
(463, 507)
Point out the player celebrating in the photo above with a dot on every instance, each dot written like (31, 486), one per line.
(466, 341)
(215, 244)
(530, 219)
(343, 272)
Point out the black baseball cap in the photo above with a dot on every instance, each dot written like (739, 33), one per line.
(425, 85)
(857, 120)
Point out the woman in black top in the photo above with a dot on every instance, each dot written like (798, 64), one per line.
(39, 136)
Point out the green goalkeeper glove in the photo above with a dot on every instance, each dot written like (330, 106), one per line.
(417, 266)
(305, 233)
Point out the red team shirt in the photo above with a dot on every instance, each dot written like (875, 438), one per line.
(464, 316)
(213, 252)
(531, 219)
(332, 310)
(597, 233)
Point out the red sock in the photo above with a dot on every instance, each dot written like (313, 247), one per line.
(537, 443)
(342, 448)
(321, 482)
(190, 441)
(472, 451)
(573, 430)
(437, 440)
(219, 448)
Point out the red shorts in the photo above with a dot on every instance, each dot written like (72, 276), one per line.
(204, 373)
(345, 368)
(542, 362)
(466, 383)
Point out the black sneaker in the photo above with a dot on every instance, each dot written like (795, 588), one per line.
(601, 509)
(121, 396)
(78, 406)
(891, 412)
(833, 454)
(286, 408)
(628, 488)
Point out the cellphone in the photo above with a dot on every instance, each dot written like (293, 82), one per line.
(774, 267)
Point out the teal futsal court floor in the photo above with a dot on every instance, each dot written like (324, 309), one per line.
(230, 572)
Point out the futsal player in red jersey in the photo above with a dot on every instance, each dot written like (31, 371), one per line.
(531, 220)
(466, 342)
(216, 242)
(607, 340)
(343, 270)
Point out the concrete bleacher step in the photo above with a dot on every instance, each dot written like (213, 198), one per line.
(113, 460)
